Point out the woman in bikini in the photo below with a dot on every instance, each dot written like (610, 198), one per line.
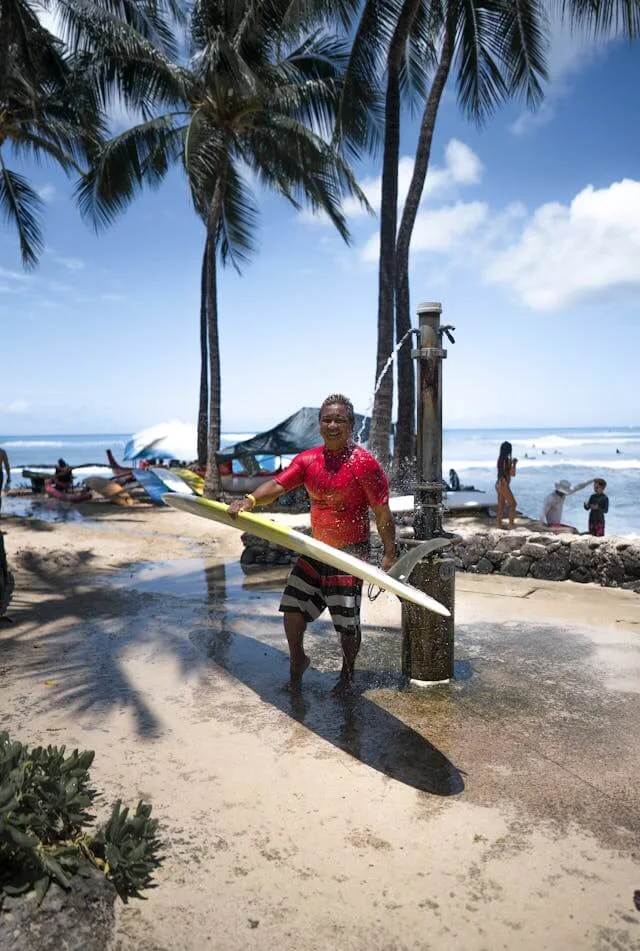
(506, 471)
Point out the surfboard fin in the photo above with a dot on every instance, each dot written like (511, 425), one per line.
(403, 567)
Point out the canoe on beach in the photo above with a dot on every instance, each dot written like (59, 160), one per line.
(70, 495)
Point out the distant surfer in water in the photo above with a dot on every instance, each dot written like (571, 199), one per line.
(4, 465)
(343, 482)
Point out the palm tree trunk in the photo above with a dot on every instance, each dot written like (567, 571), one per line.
(212, 482)
(405, 430)
(203, 404)
(383, 397)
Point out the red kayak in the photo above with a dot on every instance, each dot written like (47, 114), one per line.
(69, 495)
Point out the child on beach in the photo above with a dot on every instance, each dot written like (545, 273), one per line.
(597, 505)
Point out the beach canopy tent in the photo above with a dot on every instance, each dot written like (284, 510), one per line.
(172, 440)
(298, 432)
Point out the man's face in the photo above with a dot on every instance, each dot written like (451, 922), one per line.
(335, 426)
(599, 488)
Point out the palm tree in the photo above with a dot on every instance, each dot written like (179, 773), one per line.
(256, 97)
(498, 48)
(490, 68)
(392, 36)
(48, 110)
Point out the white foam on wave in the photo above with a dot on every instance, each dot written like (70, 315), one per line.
(584, 439)
(460, 465)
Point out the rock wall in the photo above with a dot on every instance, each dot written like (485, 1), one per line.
(612, 562)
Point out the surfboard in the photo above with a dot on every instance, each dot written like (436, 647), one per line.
(172, 481)
(152, 485)
(305, 545)
(191, 478)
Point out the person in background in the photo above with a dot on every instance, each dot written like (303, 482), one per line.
(554, 503)
(454, 480)
(63, 476)
(597, 505)
(4, 465)
(506, 472)
(344, 481)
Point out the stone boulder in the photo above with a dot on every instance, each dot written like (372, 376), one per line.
(515, 565)
(484, 567)
(554, 567)
(631, 560)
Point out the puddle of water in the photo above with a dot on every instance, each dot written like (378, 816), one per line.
(191, 578)
(42, 509)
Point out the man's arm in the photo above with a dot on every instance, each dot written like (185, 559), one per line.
(265, 494)
(387, 531)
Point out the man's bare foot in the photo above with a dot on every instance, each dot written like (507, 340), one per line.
(344, 684)
(294, 684)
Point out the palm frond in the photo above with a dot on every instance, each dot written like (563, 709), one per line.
(238, 221)
(604, 17)
(21, 206)
(151, 20)
(291, 159)
(524, 30)
(138, 157)
(481, 85)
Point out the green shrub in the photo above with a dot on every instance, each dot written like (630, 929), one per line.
(45, 799)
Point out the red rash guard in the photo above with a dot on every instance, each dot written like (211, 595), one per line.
(342, 486)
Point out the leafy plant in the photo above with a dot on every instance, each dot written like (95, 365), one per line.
(45, 797)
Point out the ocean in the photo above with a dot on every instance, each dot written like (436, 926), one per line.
(545, 456)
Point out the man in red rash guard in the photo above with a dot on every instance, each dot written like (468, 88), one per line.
(343, 482)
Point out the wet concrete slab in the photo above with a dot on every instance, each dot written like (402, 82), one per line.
(564, 700)
(499, 810)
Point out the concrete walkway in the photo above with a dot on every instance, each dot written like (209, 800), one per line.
(501, 811)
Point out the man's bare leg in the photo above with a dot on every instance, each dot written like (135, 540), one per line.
(294, 627)
(350, 647)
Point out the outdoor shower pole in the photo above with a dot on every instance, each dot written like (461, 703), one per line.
(427, 644)
(428, 512)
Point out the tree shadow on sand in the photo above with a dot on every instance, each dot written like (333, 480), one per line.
(75, 636)
(352, 722)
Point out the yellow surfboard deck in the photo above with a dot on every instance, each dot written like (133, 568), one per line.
(305, 545)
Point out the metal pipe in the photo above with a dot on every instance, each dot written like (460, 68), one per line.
(428, 494)
(427, 651)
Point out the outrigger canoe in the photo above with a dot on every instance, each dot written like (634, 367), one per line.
(70, 495)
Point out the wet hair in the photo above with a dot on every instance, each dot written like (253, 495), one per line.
(61, 462)
(342, 401)
(602, 482)
(504, 459)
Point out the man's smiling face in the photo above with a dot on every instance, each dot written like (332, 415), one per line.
(335, 426)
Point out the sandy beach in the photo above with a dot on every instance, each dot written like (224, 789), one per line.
(499, 811)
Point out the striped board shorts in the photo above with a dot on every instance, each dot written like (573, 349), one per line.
(313, 586)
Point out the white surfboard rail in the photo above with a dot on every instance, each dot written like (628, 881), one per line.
(305, 545)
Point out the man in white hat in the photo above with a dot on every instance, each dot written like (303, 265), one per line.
(554, 503)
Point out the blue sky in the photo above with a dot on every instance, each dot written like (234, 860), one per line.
(529, 235)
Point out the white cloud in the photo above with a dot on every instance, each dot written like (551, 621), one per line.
(461, 167)
(116, 298)
(72, 264)
(566, 252)
(439, 230)
(571, 50)
(15, 407)
(12, 275)
(47, 192)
